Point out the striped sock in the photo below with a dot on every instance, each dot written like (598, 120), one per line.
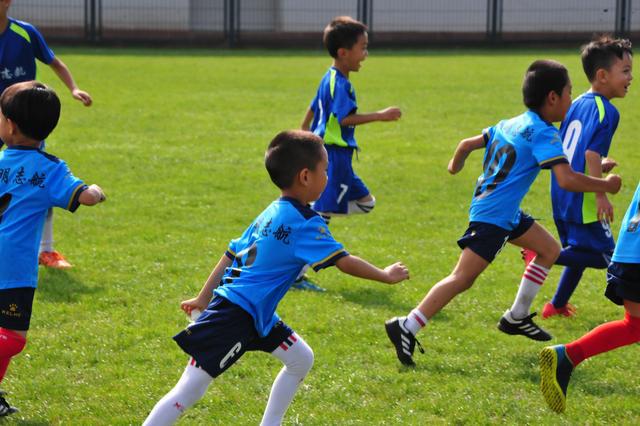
(532, 280)
(414, 321)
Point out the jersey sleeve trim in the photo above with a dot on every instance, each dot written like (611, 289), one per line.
(20, 31)
(230, 254)
(329, 260)
(601, 110)
(74, 202)
(547, 164)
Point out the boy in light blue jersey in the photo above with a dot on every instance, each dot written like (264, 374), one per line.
(31, 182)
(515, 152)
(253, 276)
(333, 115)
(623, 278)
(582, 220)
(20, 45)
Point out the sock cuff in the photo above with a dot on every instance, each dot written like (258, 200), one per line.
(12, 335)
(540, 269)
(419, 317)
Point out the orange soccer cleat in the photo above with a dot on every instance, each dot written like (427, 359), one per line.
(53, 259)
(549, 310)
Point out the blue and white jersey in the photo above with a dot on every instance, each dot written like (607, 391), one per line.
(277, 248)
(589, 125)
(628, 246)
(516, 150)
(31, 182)
(334, 100)
(20, 45)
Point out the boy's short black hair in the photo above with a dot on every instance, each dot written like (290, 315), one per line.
(290, 152)
(542, 77)
(602, 52)
(342, 31)
(33, 107)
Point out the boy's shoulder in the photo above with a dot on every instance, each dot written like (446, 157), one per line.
(23, 28)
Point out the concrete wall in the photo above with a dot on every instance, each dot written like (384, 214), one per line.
(313, 15)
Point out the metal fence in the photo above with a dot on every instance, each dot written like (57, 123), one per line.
(299, 22)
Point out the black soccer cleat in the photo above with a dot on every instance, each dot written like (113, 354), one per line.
(402, 340)
(525, 327)
(555, 373)
(5, 408)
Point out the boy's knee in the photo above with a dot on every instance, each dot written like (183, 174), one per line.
(360, 207)
(11, 343)
(305, 360)
(634, 324)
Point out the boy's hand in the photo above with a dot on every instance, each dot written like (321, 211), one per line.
(390, 114)
(191, 304)
(396, 273)
(615, 182)
(82, 96)
(605, 208)
(99, 192)
(608, 164)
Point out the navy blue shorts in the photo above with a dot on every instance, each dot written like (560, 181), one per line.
(623, 282)
(487, 240)
(343, 184)
(15, 308)
(223, 333)
(595, 237)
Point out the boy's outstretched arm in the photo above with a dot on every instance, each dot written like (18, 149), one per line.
(570, 180)
(306, 122)
(387, 114)
(65, 76)
(360, 268)
(464, 148)
(604, 207)
(203, 298)
(92, 196)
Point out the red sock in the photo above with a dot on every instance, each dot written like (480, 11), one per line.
(604, 338)
(11, 343)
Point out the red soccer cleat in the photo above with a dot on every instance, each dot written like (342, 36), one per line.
(528, 256)
(53, 259)
(549, 310)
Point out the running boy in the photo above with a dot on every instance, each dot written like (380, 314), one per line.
(333, 116)
(20, 45)
(515, 151)
(253, 276)
(582, 220)
(623, 278)
(31, 182)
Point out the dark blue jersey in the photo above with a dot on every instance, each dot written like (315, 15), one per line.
(31, 182)
(20, 45)
(334, 101)
(277, 248)
(589, 126)
(516, 150)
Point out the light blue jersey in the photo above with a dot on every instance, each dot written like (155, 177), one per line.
(31, 182)
(20, 45)
(589, 125)
(628, 246)
(334, 101)
(516, 150)
(277, 248)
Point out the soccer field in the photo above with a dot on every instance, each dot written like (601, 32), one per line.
(176, 139)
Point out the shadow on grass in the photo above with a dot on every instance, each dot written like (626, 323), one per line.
(61, 286)
(375, 297)
(29, 422)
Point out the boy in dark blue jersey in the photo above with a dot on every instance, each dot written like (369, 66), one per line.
(515, 152)
(20, 45)
(31, 182)
(333, 115)
(623, 278)
(582, 220)
(253, 276)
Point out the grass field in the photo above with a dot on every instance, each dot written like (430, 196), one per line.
(176, 139)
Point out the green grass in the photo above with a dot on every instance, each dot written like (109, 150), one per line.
(176, 139)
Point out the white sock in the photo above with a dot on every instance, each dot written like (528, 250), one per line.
(297, 360)
(46, 242)
(414, 321)
(532, 280)
(358, 207)
(189, 389)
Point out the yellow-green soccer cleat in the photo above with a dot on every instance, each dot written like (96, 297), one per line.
(555, 373)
